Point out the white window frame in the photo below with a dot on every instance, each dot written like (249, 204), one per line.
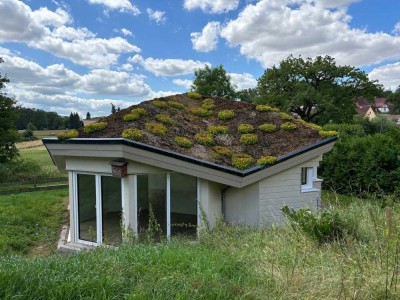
(99, 213)
(311, 174)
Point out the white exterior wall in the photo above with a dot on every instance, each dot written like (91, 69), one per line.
(210, 201)
(285, 189)
(242, 205)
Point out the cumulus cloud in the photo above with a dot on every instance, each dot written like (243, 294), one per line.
(270, 30)
(212, 6)
(156, 16)
(120, 5)
(183, 82)
(46, 30)
(126, 32)
(206, 40)
(396, 29)
(243, 81)
(168, 67)
(388, 75)
(335, 3)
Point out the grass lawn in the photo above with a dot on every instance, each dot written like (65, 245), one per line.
(230, 263)
(30, 222)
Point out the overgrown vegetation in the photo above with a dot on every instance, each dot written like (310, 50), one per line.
(245, 128)
(133, 134)
(267, 127)
(183, 142)
(164, 119)
(242, 161)
(204, 138)
(249, 139)
(68, 134)
(175, 104)
(156, 128)
(194, 95)
(226, 114)
(266, 160)
(200, 112)
(159, 104)
(98, 126)
(288, 126)
(218, 129)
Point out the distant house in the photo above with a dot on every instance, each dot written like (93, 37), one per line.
(365, 109)
(382, 105)
(187, 162)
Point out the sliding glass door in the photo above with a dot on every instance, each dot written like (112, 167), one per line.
(87, 217)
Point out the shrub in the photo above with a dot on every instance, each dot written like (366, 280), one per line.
(325, 227)
(139, 111)
(94, 127)
(204, 138)
(159, 104)
(217, 129)
(194, 95)
(249, 139)
(262, 107)
(346, 130)
(200, 112)
(288, 126)
(310, 125)
(285, 116)
(156, 128)
(266, 160)
(132, 134)
(226, 114)
(245, 128)
(208, 104)
(325, 134)
(175, 104)
(223, 151)
(131, 117)
(183, 142)
(70, 134)
(267, 127)
(242, 161)
(164, 119)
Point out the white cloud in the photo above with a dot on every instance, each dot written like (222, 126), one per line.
(120, 5)
(126, 32)
(168, 67)
(243, 81)
(270, 30)
(396, 29)
(212, 6)
(21, 24)
(388, 75)
(126, 67)
(206, 40)
(335, 3)
(183, 82)
(156, 16)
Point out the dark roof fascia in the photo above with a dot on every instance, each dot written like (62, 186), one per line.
(229, 170)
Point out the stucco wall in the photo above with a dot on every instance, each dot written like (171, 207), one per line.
(242, 205)
(285, 189)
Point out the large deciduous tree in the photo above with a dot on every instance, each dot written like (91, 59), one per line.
(8, 116)
(213, 82)
(317, 89)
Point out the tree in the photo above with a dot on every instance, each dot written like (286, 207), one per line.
(394, 98)
(113, 109)
(74, 121)
(317, 89)
(88, 117)
(213, 82)
(247, 95)
(8, 116)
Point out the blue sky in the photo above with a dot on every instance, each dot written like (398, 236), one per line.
(82, 55)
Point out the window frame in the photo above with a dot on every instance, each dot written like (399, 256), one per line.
(308, 176)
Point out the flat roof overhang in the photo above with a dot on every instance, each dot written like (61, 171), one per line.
(123, 148)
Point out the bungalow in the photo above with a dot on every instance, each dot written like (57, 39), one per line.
(187, 160)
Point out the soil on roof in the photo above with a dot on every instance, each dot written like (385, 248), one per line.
(186, 124)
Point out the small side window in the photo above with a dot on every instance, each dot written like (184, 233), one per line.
(307, 178)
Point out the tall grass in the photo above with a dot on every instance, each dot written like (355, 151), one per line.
(230, 262)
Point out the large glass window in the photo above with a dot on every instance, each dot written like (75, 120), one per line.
(111, 209)
(87, 221)
(183, 204)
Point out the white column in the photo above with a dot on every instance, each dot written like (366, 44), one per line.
(168, 205)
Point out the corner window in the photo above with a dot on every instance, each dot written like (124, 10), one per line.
(307, 178)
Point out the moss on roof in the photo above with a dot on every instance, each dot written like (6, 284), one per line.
(187, 125)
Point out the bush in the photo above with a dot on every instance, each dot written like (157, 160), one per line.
(288, 126)
(204, 138)
(242, 161)
(266, 160)
(132, 134)
(183, 142)
(139, 111)
(208, 104)
(285, 116)
(225, 151)
(325, 227)
(175, 104)
(164, 119)
(264, 108)
(98, 126)
(245, 128)
(346, 130)
(200, 112)
(326, 134)
(194, 95)
(70, 134)
(159, 104)
(156, 128)
(226, 114)
(267, 127)
(309, 125)
(249, 139)
(217, 129)
(131, 117)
